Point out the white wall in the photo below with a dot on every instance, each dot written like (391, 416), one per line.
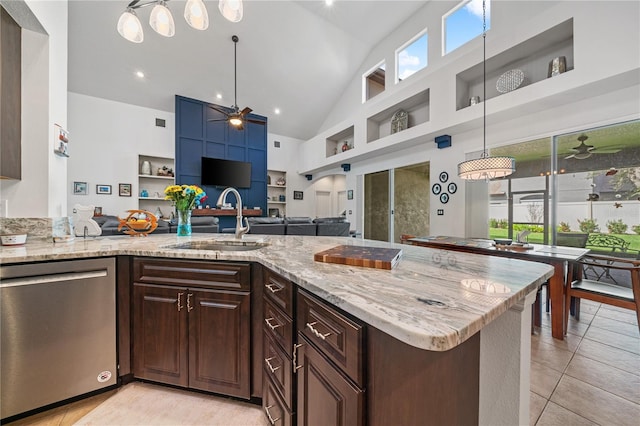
(41, 191)
(107, 138)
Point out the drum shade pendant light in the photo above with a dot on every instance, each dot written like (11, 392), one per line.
(161, 20)
(486, 167)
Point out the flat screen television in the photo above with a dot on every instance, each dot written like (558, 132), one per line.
(219, 172)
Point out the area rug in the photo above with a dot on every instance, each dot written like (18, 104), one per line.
(146, 404)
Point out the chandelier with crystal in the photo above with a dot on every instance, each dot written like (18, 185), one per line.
(161, 20)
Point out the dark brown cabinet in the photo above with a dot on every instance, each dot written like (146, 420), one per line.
(330, 362)
(325, 396)
(195, 335)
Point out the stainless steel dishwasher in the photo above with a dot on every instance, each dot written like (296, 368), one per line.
(58, 332)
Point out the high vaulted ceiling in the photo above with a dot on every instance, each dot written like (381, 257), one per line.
(297, 56)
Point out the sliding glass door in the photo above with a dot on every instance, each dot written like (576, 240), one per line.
(396, 202)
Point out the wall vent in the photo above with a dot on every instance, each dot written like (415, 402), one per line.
(161, 122)
(276, 144)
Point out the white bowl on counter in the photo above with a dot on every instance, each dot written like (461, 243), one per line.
(13, 239)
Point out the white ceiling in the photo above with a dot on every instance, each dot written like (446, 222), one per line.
(298, 56)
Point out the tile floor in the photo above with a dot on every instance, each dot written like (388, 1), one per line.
(592, 377)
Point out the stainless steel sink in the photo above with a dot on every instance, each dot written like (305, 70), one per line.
(226, 245)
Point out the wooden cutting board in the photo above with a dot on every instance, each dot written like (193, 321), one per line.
(370, 257)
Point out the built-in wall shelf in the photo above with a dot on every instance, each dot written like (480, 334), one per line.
(532, 57)
(276, 193)
(154, 184)
(335, 143)
(416, 106)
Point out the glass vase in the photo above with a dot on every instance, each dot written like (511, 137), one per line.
(184, 223)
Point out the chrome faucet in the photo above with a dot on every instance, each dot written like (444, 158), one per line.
(240, 230)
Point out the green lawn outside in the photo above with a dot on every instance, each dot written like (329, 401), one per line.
(537, 237)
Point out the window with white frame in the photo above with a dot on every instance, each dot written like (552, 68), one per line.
(373, 82)
(412, 56)
(463, 23)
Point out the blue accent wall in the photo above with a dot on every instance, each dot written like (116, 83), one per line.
(197, 137)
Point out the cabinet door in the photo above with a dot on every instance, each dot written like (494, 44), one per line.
(219, 342)
(325, 396)
(160, 333)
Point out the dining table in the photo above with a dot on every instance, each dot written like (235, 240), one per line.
(560, 257)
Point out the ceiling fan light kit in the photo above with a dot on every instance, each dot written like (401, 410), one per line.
(161, 20)
(486, 167)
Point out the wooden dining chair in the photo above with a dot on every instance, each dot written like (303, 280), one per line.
(628, 271)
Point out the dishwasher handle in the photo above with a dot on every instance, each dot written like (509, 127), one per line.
(52, 278)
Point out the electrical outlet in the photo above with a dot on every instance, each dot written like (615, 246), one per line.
(440, 212)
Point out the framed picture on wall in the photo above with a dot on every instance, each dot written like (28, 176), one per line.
(103, 189)
(124, 190)
(298, 195)
(350, 194)
(80, 188)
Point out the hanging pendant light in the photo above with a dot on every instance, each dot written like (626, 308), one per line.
(129, 26)
(161, 20)
(486, 167)
(231, 9)
(196, 15)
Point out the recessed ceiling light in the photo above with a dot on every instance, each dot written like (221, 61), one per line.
(277, 110)
(328, 2)
(140, 74)
(219, 96)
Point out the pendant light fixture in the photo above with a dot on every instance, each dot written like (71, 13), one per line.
(485, 167)
(231, 9)
(161, 20)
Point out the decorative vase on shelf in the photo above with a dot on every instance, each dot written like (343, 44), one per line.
(184, 223)
(146, 168)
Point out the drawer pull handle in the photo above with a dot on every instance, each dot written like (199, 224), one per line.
(316, 332)
(180, 301)
(296, 367)
(273, 289)
(268, 362)
(271, 326)
(271, 419)
(189, 307)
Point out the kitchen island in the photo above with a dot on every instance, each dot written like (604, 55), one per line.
(433, 301)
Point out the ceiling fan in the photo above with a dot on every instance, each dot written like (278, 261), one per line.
(584, 151)
(236, 117)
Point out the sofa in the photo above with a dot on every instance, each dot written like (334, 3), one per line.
(328, 226)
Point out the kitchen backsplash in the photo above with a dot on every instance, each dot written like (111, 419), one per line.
(41, 228)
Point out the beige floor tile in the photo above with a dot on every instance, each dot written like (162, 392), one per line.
(615, 357)
(604, 376)
(551, 356)
(536, 405)
(578, 397)
(579, 328)
(618, 314)
(621, 341)
(617, 326)
(555, 415)
(543, 379)
(569, 343)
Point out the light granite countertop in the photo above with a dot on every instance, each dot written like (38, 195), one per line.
(425, 301)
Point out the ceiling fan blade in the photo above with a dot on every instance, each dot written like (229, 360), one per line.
(606, 151)
(219, 110)
(245, 111)
(569, 157)
(250, 120)
(217, 119)
(239, 126)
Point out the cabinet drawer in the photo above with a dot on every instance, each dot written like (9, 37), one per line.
(219, 275)
(336, 336)
(275, 410)
(278, 326)
(277, 368)
(279, 290)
